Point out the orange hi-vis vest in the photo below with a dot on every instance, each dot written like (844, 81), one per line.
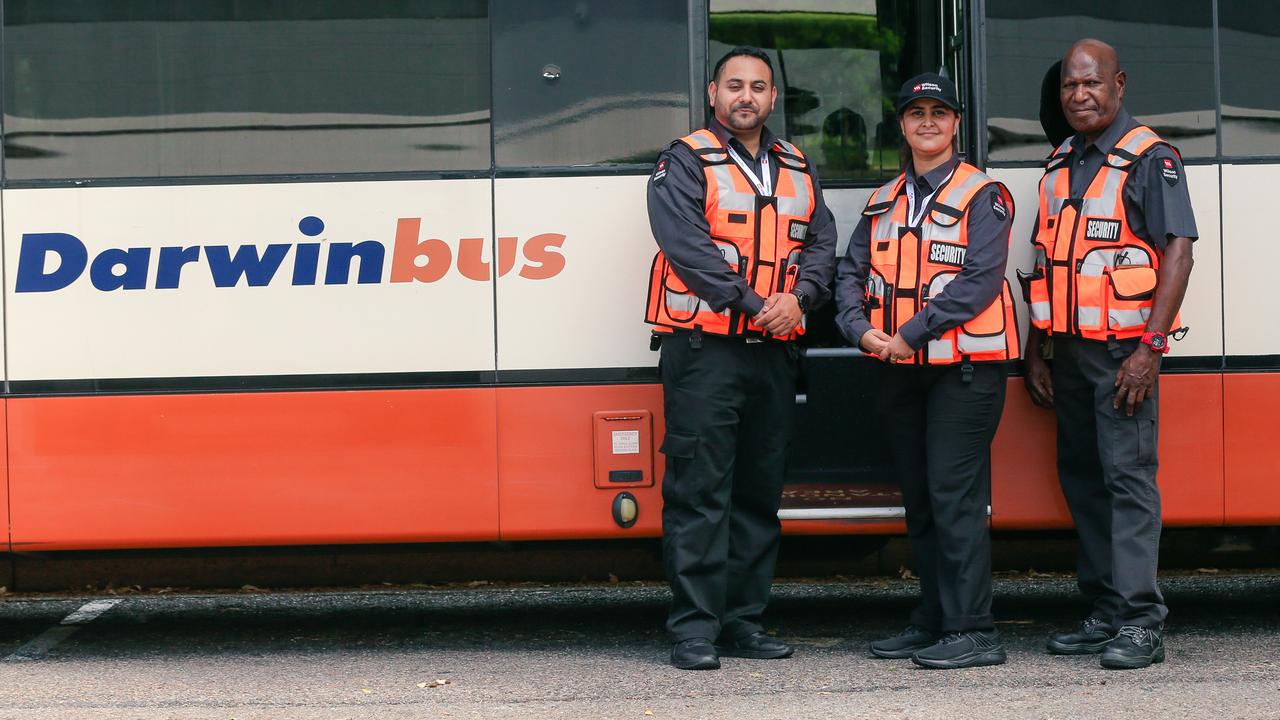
(1093, 277)
(760, 237)
(910, 265)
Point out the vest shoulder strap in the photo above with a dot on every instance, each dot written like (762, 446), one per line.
(789, 155)
(1132, 146)
(1058, 156)
(882, 199)
(953, 198)
(706, 146)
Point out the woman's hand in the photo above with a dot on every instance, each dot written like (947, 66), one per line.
(897, 349)
(874, 342)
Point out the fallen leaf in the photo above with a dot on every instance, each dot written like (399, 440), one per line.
(366, 691)
(613, 578)
(1210, 571)
(251, 588)
(905, 573)
(647, 711)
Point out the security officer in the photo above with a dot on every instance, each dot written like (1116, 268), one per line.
(747, 246)
(922, 286)
(1113, 256)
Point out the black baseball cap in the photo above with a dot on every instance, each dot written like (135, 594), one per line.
(928, 85)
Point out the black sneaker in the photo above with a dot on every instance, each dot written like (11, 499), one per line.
(963, 650)
(904, 644)
(1134, 647)
(1090, 638)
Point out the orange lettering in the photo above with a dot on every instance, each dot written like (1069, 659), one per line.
(404, 260)
(542, 251)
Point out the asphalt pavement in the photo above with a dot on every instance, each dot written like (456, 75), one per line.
(599, 651)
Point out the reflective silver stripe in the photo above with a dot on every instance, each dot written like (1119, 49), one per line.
(876, 285)
(1096, 262)
(940, 350)
(1053, 202)
(1041, 260)
(938, 283)
(1090, 316)
(1120, 319)
(691, 304)
(1040, 311)
(703, 140)
(949, 233)
(1105, 206)
(972, 344)
(798, 205)
(728, 197)
(729, 252)
(883, 192)
(883, 226)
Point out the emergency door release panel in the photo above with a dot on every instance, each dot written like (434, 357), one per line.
(623, 448)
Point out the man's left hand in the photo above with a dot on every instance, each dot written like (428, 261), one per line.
(780, 314)
(1136, 378)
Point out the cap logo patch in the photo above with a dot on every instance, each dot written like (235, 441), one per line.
(926, 86)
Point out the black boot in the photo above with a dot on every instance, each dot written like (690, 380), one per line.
(1134, 647)
(695, 654)
(1091, 637)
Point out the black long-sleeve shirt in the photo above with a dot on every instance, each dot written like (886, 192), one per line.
(677, 216)
(972, 291)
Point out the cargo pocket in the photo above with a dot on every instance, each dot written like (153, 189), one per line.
(1131, 290)
(1093, 288)
(679, 445)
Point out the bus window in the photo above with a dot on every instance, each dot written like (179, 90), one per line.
(839, 65)
(1166, 49)
(111, 89)
(588, 82)
(1250, 42)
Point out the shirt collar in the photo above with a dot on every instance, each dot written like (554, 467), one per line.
(1106, 142)
(767, 139)
(934, 177)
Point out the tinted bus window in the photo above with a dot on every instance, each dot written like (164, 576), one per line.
(134, 88)
(588, 82)
(1250, 41)
(839, 65)
(1165, 47)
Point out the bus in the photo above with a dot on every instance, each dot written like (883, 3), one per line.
(374, 271)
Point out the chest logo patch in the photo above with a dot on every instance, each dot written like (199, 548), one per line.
(798, 230)
(947, 253)
(1102, 229)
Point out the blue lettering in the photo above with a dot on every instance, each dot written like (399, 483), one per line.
(258, 271)
(135, 261)
(371, 254)
(306, 260)
(36, 247)
(169, 274)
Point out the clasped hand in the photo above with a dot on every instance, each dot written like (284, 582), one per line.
(780, 314)
(888, 349)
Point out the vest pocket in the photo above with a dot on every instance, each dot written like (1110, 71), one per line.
(986, 337)
(680, 304)
(1133, 283)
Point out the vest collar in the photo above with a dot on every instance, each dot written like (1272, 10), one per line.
(934, 177)
(1106, 142)
(726, 138)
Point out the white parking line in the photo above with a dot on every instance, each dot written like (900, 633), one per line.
(47, 640)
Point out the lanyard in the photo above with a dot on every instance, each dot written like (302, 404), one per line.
(915, 210)
(764, 184)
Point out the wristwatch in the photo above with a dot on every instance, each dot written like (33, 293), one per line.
(803, 298)
(1158, 342)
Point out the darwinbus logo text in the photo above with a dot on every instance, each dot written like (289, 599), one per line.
(52, 261)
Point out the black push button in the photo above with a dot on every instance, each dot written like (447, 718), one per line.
(626, 476)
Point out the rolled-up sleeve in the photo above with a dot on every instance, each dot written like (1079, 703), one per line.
(818, 257)
(677, 192)
(850, 288)
(980, 279)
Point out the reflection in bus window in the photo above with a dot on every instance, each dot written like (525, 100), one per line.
(1167, 55)
(588, 82)
(104, 88)
(839, 64)
(1250, 41)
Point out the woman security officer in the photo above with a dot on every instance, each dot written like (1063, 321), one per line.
(922, 288)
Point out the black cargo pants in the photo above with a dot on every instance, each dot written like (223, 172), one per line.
(941, 421)
(1107, 467)
(729, 406)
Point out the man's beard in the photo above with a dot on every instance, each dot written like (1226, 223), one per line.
(751, 123)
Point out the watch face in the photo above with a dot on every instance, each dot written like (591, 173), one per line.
(1158, 342)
